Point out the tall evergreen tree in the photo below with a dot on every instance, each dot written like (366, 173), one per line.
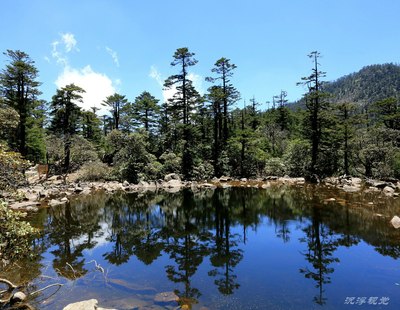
(66, 116)
(19, 86)
(146, 110)
(316, 104)
(115, 102)
(183, 103)
(223, 69)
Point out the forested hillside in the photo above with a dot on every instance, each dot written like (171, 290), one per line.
(349, 126)
(370, 84)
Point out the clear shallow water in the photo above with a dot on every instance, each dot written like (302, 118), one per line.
(236, 248)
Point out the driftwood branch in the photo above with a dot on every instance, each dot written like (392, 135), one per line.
(11, 286)
(45, 288)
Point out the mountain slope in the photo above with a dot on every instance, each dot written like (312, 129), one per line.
(370, 84)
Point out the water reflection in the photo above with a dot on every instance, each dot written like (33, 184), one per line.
(210, 228)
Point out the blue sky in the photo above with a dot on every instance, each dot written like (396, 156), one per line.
(126, 46)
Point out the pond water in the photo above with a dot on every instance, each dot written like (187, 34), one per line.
(236, 248)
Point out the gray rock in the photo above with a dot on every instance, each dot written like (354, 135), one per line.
(172, 176)
(243, 180)
(24, 205)
(351, 189)
(395, 221)
(90, 304)
(125, 184)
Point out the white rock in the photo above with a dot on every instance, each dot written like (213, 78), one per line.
(395, 221)
(90, 304)
(351, 189)
(18, 297)
(54, 203)
(388, 191)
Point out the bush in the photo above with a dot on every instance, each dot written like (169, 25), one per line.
(203, 171)
(171, 163)
(12, 167)
(297, 158)
(15, 234)
(82, 151)
(275, 166)
(95, 171)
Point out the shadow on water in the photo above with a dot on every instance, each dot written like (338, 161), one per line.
(199, 238)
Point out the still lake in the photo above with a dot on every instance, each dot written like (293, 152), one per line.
(285, 247)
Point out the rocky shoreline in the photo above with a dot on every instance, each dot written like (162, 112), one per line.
(54, 191)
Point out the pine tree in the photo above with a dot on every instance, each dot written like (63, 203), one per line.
(66, 116)
(223, 68)
(115, 102)
(183, 104)
(19, 86)
(316, 104)
(146, 110)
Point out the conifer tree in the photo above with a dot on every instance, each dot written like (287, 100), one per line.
(66, 116)
(19, 86)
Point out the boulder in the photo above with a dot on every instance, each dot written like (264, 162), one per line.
(395, 221)
(90, 304)
(172, 176)
(125, 183)
(243, 180)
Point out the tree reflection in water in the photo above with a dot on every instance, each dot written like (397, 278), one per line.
(211, 226)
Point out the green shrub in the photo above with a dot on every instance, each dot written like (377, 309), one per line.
(297, 158)
(95, 171)
(15, 234)
(12, 167)
(275, 166)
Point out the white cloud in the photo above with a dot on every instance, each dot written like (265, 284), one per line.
(113, 55)
(69, 42)
(97, 86)
(57, 55)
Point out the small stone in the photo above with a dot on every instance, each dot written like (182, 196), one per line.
(395, 221)
(330, 199)
(18, 297)
(166, 297)
(388, 191)
(266, 185)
